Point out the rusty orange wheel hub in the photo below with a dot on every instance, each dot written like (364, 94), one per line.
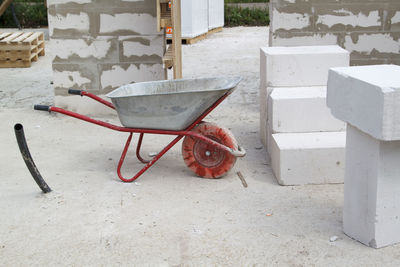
(205, 159)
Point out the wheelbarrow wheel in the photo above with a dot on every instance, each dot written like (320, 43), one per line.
(204, 159)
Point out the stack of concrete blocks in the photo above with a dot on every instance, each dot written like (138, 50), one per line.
(101, 45)
(200, 16)
(194, 17)
(215, 14)
(368, 29)
(305, 143)
(368, 100)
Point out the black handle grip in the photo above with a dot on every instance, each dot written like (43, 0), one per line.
(42, 107)
(74, 92)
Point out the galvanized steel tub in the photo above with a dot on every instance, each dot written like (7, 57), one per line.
(168, 105)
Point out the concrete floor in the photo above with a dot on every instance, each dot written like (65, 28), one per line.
(169, 217)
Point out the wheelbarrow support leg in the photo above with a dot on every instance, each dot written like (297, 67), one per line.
(142, 160)
(148, 165)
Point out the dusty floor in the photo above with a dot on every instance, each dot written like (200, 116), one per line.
(169, 217)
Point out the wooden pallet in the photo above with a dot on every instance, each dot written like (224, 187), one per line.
(168, 58)
(219, 29)
(169, 18)
(197, 38)
(20, 49)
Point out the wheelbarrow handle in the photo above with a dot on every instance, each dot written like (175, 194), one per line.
(42, 107)
(92, 96)
(74, 92)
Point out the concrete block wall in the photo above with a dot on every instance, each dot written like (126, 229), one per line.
(368, 29)
(103, 44)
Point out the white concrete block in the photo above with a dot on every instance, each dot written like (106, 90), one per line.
(145, 45)
(122, 74)
(304, 39)
(301, 110)
(367, 97)
(263, 98)
(263, 120)
(302, 65)
(366, 43)
(128, 22)
(263, 71)
(265, 133)
(308, 158)
(70, 79)
(371, 211)
(396, 18)
(82, 48)
(194, 17)
(79, 22)
(215, 14)
(346, 17)
(289, 21)
(269, 139)
(55, 2)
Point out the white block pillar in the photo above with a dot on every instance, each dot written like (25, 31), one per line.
(368, 99)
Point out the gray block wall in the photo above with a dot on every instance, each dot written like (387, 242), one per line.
(103, 44)
(368, 29)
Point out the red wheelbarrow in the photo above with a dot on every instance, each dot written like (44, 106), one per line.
(175, 107)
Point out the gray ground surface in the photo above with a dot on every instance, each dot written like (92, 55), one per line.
(169, 217)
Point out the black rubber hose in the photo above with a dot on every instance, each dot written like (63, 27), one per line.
(23, 147)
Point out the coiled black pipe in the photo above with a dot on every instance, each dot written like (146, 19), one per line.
(23, 147)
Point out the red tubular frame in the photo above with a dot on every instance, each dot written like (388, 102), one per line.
(138, 150)
(180, 134)
(98, 99)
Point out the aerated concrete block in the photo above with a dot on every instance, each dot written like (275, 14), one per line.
(368, 97)
(215, 14)
(294, 66)
(194, 18)
(263, 98)
(371, 212)
(85, 50)
(300, 110)
(128, 24)
(308, 158)
(113, 76)
(74, 23)
(143, 49)
(76, 76)
(301, 65)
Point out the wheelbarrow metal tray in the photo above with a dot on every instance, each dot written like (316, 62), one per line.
(168, 105)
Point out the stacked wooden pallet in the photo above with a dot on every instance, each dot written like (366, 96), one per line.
(195, 39)
(20, 49)
(169, 18)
